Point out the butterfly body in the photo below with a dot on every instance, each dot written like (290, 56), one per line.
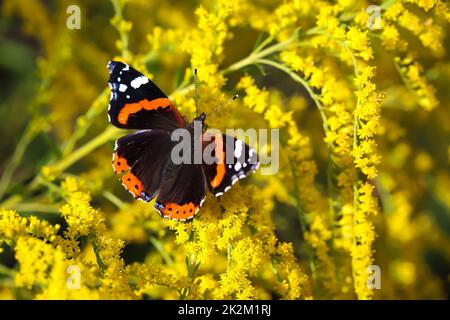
(145, 160)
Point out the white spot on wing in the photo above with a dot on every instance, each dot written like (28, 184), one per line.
(122, 87)
(139, 81)
(237, 166)
(238, 146)
(218, 194)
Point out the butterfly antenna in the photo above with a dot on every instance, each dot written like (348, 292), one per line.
(224, 104)
(196, 91)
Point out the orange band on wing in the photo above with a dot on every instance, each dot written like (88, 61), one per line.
(177, 212)
(119, 163)
(132, 184)
(131, 108)
(220, 168)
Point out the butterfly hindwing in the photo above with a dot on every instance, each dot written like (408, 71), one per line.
(141, 157)
(227, 170)
(182, 191)
(137, 103)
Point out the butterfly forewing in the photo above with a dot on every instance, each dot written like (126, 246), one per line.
(137, 103)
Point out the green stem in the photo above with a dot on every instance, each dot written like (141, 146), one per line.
(10, 202)
(114, 200)
(192, 267)
(37, 207)
(159, 247)
(257, 55)
(6, 271)
(304, 83)
(84, 122)
(108, 134)
(118, 7)
(101, 264)
(16, 158)
(39, 180)
(387, 3)
(229, 251)
(263, 44)
(302, 220)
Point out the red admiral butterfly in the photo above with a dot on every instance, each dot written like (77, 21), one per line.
(144, 157)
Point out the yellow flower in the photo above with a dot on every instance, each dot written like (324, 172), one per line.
(442, 9)
(367, 117)
(235, 284)
(432, 38)
(359, 42)
(12, 226)
(205, 44)
(80, 216)
(363, 237)
(248, 254)
(393, 11)
(391, 40)
(411, 71)
(36, 259)
(294, 284)
(330, 23)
